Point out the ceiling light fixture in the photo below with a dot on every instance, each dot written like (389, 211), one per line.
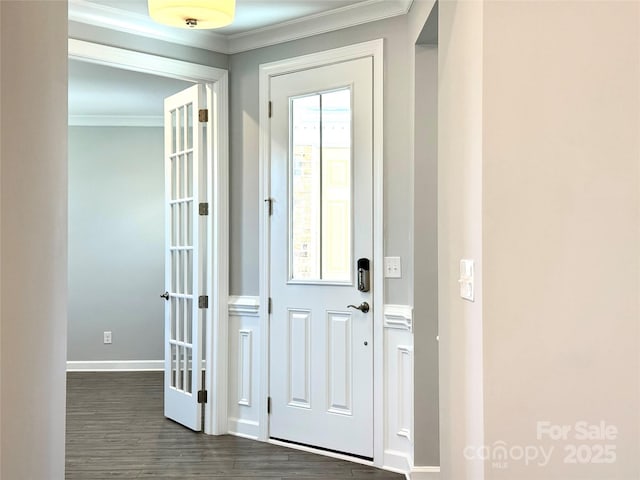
(193, 13)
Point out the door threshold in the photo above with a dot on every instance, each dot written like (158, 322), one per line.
(349, 457)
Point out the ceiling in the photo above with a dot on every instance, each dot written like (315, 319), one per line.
(103, 95)
(250, 14)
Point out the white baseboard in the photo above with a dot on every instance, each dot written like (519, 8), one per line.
(243, 428)
(396, 461)
(401, 462)
(424, 473)
(115, 366)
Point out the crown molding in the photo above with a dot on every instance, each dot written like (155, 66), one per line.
(324, 22)
(103, 16)
(116, 121)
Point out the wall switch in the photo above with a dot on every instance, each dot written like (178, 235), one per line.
(466, 279)
(392, 267)
(107, 338)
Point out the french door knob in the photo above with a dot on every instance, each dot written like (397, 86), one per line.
(165, 295)
(363, 307)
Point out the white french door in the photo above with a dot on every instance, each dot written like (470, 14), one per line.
(321, 325)
(185, 254)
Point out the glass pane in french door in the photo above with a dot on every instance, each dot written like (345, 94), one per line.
(181, 248)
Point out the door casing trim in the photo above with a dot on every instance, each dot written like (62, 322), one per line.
(216, 80)
(374, 49)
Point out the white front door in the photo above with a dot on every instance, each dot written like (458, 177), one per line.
(185, 254)
(321, 350)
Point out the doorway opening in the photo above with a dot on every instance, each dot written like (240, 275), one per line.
(138, 236)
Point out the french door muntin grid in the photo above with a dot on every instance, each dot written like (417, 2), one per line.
(183, 245)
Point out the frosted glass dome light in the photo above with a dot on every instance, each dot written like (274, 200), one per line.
(192, 13)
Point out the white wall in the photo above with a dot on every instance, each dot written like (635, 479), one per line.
(561, 151)
(460, 57)
(33, 255)
(539, 151)
(116, 243)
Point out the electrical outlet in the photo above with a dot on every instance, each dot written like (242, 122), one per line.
(107, 338)
(392, 267)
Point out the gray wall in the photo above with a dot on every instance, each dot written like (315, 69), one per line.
(244, 165)
(422, 21)
(116, 243)
(33, 242)
(425, 288)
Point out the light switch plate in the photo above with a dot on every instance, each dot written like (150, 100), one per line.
(392, 267)
(466, 279)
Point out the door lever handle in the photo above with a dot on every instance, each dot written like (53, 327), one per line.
(363, 307)
(165, 295)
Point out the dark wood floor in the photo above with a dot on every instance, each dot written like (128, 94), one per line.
(116, 429)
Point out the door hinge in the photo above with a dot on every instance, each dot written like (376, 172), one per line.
(202, 396)
(270, 109)
(268, 405)
(269, 306)
(269, 202)
(203, 301)
(203, 209)
(203, 115)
